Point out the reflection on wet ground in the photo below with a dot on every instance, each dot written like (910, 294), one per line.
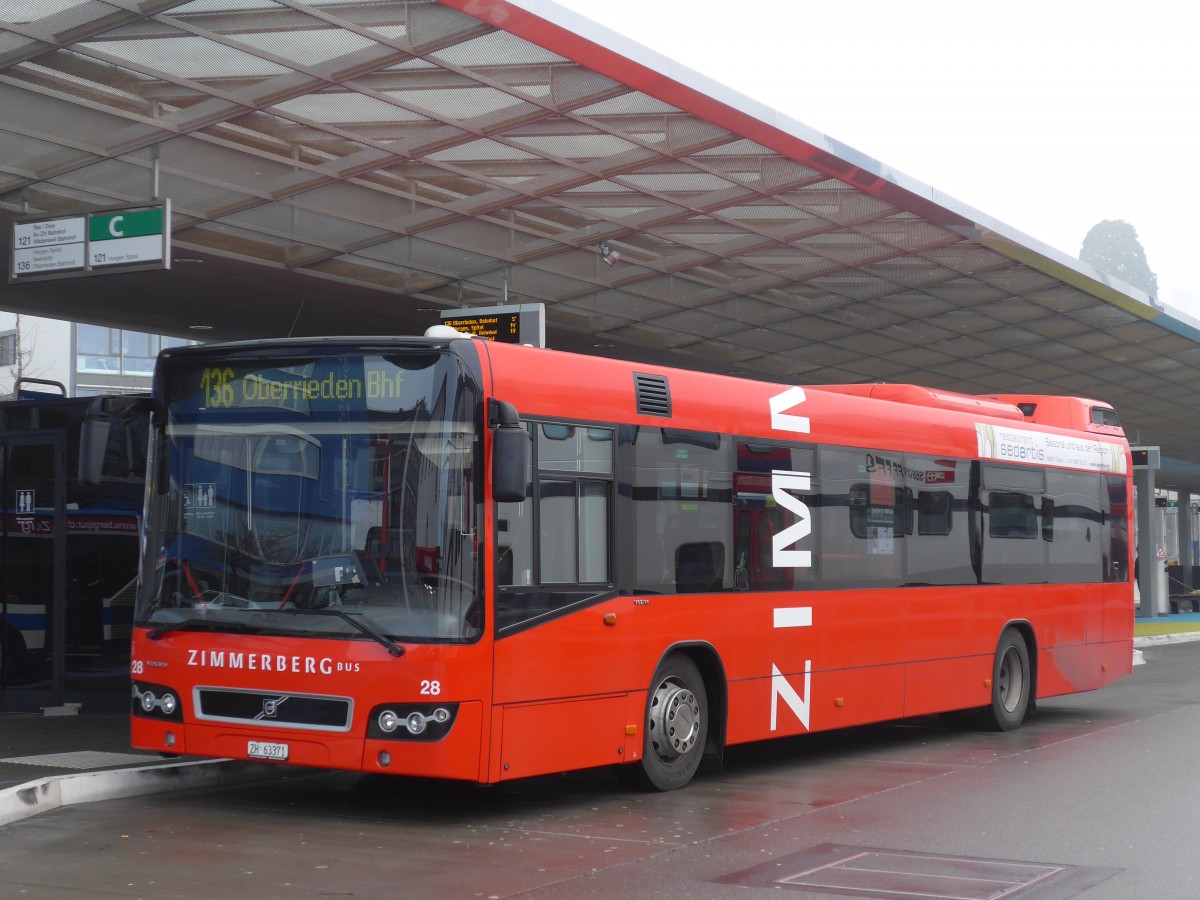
(342, 834)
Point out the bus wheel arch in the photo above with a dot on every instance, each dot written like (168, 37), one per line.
(684, 719)
(1014, 677)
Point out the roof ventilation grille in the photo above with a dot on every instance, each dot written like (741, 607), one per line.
(653, 395)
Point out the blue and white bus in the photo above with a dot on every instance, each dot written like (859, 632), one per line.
(72, 481)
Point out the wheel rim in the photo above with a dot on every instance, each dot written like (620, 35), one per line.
(1011, 682)
(674, 721)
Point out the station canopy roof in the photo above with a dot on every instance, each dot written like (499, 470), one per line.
(347, 166)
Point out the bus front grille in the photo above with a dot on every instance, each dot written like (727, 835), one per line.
(273, 709)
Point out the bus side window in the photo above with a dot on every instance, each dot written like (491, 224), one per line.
(553, 548)
(679, 498)
(861, 517)
(1075, 527)
(934, 510)
(758, 516)
(1011, 503)
(1012, 515)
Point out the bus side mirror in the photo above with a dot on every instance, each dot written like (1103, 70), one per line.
(511, 445)
(113, 430)
(93, 442)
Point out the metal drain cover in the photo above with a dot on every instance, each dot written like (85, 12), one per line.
(902, 875)
(82, 759)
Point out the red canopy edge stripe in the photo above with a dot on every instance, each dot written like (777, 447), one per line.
(533, 28)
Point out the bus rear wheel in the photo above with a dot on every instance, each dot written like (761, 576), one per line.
(1011, 683)
(674, 729)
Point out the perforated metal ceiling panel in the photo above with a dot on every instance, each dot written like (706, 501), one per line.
(423, 155)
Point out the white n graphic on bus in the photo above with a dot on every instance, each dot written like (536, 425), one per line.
(781, 688)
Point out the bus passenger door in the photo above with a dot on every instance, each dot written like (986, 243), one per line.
(32, 570)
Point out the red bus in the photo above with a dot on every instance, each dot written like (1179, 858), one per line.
(452, 558)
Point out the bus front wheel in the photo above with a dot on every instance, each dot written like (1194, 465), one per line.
(1011, 682)
(674, 728)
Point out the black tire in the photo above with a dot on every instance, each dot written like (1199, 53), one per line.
(1012, 683)
(674, 728)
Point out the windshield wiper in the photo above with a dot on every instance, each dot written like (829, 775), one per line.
(355, 620)
(199, 624)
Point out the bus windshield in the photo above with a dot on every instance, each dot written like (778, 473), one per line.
(331, 495)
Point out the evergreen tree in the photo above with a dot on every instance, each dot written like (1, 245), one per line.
(1112, 246)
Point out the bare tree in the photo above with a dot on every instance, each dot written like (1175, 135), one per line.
(17, 356)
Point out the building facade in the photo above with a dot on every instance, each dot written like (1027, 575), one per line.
(85, 359)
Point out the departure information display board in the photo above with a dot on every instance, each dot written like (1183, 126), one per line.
(503, 327)
(126, 239)
(523, 323)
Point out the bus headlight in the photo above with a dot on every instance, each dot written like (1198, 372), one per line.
(388, 721)
(411, 721)
(155, 702)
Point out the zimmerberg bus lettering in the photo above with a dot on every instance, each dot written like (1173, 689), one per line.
(268, 662)
(796, 616)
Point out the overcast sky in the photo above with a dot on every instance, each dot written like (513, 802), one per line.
(1048, 115)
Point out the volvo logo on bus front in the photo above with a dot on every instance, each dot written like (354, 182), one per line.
(271, 707)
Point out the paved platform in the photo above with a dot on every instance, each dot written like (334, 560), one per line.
(1166, 629)
(62, 756)
(64, 741)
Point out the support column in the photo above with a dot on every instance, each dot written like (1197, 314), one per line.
(1187, 557)
(1149, 539)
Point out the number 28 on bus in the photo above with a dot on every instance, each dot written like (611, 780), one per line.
(456, 558)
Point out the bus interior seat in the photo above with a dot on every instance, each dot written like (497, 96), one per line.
(389, 553)
(699, 567)
(504, 565)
